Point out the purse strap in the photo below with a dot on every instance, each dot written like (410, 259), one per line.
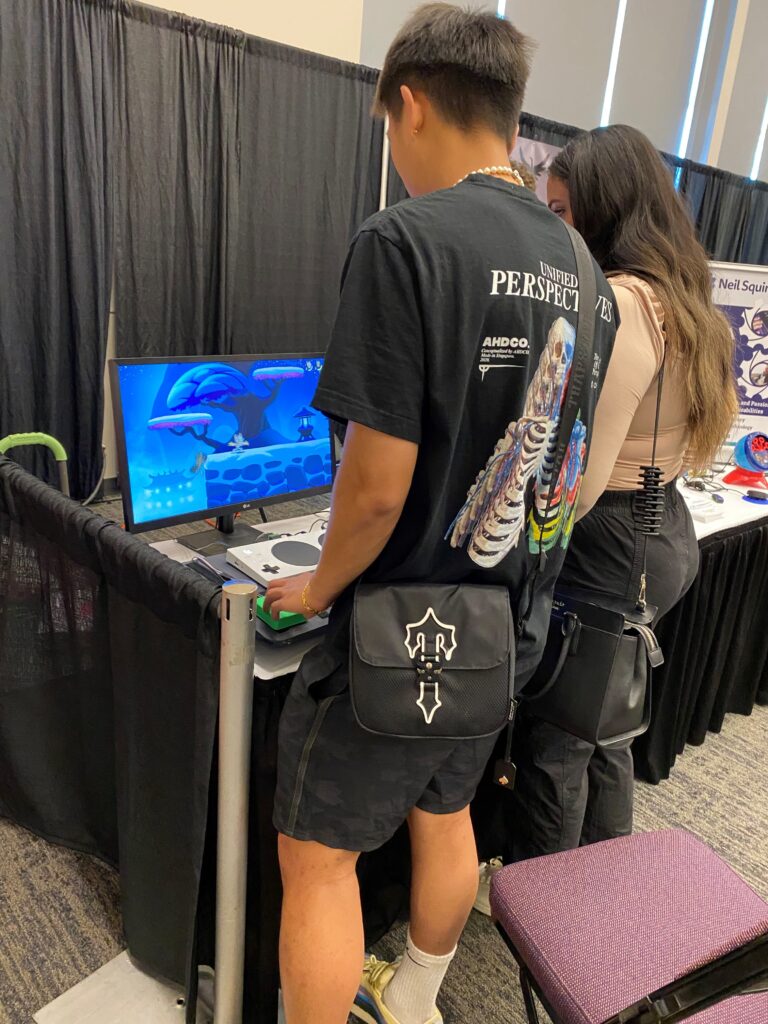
(580, 370)
(648, 510)
(583, 349)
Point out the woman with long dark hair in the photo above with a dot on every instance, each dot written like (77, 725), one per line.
(612, 185)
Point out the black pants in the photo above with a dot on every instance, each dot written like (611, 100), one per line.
(570, 792)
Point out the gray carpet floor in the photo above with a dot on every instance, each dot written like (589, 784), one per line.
(60, 920)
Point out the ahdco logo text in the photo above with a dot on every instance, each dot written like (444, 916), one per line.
(500, 342)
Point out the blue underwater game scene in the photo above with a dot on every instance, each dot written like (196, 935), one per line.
(208, 434)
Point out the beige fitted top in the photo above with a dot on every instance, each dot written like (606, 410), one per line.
(622, 435)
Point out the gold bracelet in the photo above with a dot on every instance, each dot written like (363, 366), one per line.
(310, 612)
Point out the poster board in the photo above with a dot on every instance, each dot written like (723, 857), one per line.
(740, 292)
(537, 156)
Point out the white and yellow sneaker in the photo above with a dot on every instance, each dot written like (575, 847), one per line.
(486, 873)
(369, 1002)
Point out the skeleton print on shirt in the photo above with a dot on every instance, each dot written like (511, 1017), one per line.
(494, 515)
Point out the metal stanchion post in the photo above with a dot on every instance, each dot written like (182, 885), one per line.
(238, 639)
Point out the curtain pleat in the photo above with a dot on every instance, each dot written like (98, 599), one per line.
(244, 169)
(56, 212)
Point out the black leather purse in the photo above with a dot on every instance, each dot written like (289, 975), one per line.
(594, 680)
(432, 661)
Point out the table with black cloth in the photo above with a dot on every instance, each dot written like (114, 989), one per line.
(108, 709)
(715, 641)
(108, 702)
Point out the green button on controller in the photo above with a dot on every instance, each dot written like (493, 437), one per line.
(285, 621)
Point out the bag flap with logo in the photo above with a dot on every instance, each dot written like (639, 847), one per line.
(432, 661)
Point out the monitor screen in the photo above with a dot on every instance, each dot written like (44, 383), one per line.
(200, 437)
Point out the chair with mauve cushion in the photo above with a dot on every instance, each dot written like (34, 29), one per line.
(595, 930)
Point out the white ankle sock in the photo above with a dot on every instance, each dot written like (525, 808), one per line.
(411, 995)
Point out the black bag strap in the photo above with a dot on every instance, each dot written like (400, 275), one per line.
(583, 354)
(583, 351)
(580, 371)
(650, 500)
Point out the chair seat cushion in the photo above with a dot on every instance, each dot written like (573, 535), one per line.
(602, 926)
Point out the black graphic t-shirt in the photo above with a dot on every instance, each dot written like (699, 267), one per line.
(455, 330)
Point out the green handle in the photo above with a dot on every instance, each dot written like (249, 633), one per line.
(59, 453)
(15, 440)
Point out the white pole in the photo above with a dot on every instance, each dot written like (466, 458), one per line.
(238, 640)
(384, 167)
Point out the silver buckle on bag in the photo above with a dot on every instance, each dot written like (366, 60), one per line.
(428, 671)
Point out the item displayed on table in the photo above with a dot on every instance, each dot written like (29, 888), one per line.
(751, 458)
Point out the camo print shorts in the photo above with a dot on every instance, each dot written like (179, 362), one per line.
(349, 789)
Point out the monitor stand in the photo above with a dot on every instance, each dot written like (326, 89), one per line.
(227, 534)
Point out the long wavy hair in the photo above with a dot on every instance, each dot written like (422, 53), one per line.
(625, 206)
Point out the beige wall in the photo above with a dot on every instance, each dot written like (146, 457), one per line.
(332, 27)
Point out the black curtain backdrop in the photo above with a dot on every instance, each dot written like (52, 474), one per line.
(242, 170)
(178, 174)
(540, 129)
(108, 706)
(56, 125)
(245, 167)
(57, 773)
(310, 175)
(730, 212)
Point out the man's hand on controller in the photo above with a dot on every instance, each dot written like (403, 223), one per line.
(286, 596)
(372, 484)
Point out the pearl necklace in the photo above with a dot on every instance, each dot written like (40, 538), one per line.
(501, 169)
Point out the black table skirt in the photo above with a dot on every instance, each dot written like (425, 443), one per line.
(715, 645)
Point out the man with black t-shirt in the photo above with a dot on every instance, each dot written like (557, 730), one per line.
(452, 345)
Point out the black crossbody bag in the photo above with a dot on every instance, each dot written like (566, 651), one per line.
(594, 679)
(432, 661)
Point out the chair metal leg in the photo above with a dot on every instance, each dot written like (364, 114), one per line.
(528, 999)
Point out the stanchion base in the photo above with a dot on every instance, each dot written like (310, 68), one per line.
(119, 993)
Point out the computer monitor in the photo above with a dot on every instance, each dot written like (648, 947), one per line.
(202, 437)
